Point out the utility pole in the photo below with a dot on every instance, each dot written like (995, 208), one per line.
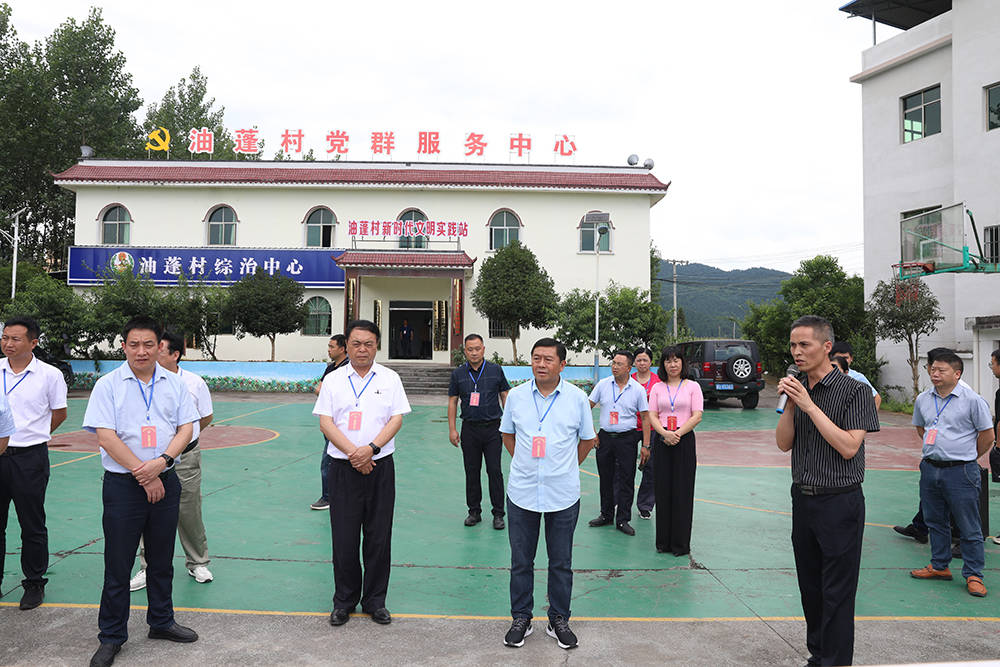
(675, 262)
(14, 239)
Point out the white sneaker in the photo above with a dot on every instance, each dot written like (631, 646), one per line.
(200, 574)
(138, 582)
(996, 540)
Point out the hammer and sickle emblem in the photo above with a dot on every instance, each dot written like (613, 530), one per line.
(161, 139)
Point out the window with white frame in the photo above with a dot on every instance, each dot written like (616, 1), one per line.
(505, 228)
(319, 228)
(116, 226)
(993, 107)
(318, 321)
(921, 114)
(222, 226)
(413, 215)
(589, 230)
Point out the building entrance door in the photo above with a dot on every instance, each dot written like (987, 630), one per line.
(410, 329)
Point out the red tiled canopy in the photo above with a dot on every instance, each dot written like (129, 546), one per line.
(402, 259)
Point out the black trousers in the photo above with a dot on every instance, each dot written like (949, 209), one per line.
(361, 505)
(616, 467)
(24, 476)
(673, 484)
(482, 441)
(827, 531)
(128, 515)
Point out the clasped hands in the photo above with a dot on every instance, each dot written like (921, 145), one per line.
(361, 459)
(148, 476)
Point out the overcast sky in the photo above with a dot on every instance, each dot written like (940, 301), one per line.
(745, 107)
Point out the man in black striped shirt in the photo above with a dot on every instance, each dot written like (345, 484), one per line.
(824, 427)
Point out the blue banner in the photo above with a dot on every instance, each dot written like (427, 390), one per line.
(310, 267)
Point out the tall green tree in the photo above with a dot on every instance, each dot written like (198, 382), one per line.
(513, 289)
(264, 306)
(184, 106)
(119, 297)
(62, 314)
(655, 260)
(903, 311)
(628, 320)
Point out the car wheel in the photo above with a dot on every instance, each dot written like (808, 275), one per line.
(750, 401)
(740, 368)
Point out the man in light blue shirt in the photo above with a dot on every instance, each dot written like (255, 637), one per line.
(548, 429)
(622, 399)
(955, 425)
(143, 417)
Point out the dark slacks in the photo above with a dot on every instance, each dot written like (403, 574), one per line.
(827, 532)
(481, 441)
(324, 468)
(616, 467)
(24, 476)
(645, 497)
(361, 505)
(522, 530)
(128, 515)
(674, 487)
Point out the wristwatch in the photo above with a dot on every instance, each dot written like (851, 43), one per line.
(375, 448)
(168, 458)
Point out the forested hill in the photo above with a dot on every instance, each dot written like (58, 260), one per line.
(711, 297)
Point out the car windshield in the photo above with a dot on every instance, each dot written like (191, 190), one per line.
(724, 353)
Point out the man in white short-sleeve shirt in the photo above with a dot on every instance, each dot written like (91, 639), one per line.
(36, 393)
(190, 526)
(360, 409)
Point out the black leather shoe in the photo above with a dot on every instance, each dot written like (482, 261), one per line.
(105, 655)
(626, 528)
(382, 616)
(472, 519)
(601, 520)
(339, 617)
(911, 531)
(498, 523)
(33, 596)
(175, 633)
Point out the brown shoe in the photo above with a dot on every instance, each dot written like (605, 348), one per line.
(930, 573)
(976, 587)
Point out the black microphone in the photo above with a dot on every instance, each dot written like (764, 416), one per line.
(792, 372)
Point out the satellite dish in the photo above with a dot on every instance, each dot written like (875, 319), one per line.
(648, 164)
(633, 159)
(86, 151)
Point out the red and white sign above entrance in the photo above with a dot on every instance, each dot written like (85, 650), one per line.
(373, 228)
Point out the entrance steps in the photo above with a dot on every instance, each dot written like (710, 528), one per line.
(422, 378)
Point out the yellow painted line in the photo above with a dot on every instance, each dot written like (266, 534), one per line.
(471, 617)
(247, 414)
(246, 444)
(56, 465)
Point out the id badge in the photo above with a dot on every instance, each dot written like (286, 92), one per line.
(613, 418)
(474, 399)
(672, 423)
(930, 436)
(538, 446)
(147, 435)
(354, 421)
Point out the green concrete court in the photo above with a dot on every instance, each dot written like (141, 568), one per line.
(271, 554)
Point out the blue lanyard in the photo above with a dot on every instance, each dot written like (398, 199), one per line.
(15, 384)
(934, 394)
(613, 383)
(673, 398)
(152, 386)
(475, 380)
(357, 395)
(542, 418)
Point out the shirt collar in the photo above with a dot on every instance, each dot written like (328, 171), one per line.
(375, 367)
(558, 389)
(32, 365)
(159, 372)
(957, 391)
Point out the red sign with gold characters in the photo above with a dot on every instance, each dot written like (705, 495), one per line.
(338, 142)
(439, 228)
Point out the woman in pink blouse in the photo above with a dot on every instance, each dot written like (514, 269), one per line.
(675, 408)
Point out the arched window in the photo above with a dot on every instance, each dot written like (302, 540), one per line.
(117, 225)
(504, 228)
(319, 318)
(596, 224)
(222, 226)
(319, 228)
(413, 241)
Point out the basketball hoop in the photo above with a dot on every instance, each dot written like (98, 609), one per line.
(905, 270)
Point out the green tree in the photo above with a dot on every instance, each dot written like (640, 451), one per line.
(186, 106)
(512, 288)
(264, 306)
(903, 311)
(119, 297)
(628, 320)
(194, 309)
(655, 260)
(62, 314)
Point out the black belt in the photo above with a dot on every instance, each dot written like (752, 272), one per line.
(13, 451)
(163, 475)
(620, 434)
(192, 445)
(489, 422)
(946, 464)
(809, 490)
